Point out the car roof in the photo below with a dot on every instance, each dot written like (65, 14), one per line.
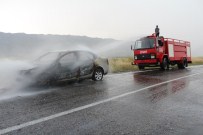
(62, 53)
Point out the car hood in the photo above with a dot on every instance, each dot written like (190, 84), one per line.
(35, 68)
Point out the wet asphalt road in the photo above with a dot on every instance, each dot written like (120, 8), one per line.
(152, 102)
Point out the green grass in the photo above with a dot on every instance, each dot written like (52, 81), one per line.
(121, 65)
(124, 64)
(197, 61)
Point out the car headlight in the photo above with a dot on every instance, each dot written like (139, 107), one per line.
(135, 57)
(152, 56)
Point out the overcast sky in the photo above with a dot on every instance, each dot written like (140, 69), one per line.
(118, 19)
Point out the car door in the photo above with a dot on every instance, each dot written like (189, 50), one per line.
(86, 63)
(68, 68)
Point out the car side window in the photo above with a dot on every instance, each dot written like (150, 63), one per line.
(68, 59)
(84, 56)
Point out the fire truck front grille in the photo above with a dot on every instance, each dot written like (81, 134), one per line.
(143, 56)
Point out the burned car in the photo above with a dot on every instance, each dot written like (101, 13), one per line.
(54, 67)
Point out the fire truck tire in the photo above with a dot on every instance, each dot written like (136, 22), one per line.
(141, 67)
(183, 64)
(164, 65)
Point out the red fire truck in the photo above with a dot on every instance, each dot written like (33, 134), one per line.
(160, 51)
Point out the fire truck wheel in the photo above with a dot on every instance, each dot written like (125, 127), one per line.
(183, 65)
(164, 64)
(141, 67)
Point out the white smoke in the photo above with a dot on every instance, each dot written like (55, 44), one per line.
(9, 75)
(10, 86)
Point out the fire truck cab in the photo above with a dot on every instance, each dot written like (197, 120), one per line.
(159, 51)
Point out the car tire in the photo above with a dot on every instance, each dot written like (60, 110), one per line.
(97, 74)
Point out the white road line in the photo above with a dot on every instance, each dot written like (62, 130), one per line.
(30, 123)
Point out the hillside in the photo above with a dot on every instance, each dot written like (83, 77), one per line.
(21, 45)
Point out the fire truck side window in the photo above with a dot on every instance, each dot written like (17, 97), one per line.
(160, 43)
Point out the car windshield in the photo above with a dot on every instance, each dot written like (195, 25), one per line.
(48, 57)
(144, 43)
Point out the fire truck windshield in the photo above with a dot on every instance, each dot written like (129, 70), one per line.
(144, 43)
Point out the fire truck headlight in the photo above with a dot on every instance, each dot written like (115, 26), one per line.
(135, 57)
(152, 56)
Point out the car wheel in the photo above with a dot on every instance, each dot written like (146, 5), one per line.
(98, 74)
